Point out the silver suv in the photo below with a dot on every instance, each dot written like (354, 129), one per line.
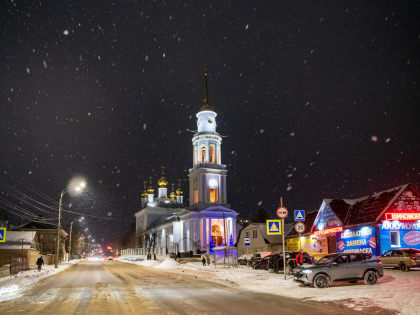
(344, 266)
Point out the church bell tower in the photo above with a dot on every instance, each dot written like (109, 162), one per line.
(208, 175)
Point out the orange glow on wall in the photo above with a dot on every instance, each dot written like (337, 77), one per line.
(212, 156)
(329, 231)
(213, 195)
(196, 196)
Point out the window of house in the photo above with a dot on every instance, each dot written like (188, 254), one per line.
(196, 196)
(203, 154)
(213, 195)
(395, 238)
(212, 154)
(254, 234)
(247, 233)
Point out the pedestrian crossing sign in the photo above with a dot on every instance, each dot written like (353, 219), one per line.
(2, 235)
(273, 227)
(299, 215)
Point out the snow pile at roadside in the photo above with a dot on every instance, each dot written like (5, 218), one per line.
(138, 261)
(12, 287)
(168, 263)
(395, 290)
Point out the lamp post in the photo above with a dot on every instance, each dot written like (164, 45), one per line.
(71, 228)
(77, 189)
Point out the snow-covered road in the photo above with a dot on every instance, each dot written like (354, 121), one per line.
(112, 287)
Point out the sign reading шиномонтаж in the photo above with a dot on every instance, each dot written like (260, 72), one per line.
(329, 231)
(402, 216)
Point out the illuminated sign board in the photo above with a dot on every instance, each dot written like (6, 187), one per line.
(329, 231)
(402, 216)
(360, 240)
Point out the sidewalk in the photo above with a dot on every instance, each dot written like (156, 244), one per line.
(13, 287)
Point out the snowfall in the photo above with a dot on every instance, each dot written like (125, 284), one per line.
(13, 287)
(396, 290)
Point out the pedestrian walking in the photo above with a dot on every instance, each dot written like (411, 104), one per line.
(208, 260)
(179, 256)
(203, 261)
(39, 263)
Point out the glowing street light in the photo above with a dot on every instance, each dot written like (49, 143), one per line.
(76, 185)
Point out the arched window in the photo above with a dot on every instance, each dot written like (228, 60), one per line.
(203, 154)
(214, 196)
(212, 154)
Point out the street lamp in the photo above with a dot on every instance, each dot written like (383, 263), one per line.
(71, 228)
(72, 188)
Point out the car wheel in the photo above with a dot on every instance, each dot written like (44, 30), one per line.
(370, 278)
(321, 281)
(403, 267)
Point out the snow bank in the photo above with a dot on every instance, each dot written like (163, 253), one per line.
(168, 263)
(13, 287)
(138, 261)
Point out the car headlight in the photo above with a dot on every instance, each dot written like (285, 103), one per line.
(306, 271)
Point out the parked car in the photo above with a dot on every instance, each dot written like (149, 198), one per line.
(404, 258)
(257, 257)
(244, 259)
(262, 263)
(344, 266)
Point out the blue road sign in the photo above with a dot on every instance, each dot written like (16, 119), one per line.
(299, 215)
(2, 235)
(247, 241)
(273, 227)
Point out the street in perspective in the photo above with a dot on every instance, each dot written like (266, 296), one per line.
(189, 157)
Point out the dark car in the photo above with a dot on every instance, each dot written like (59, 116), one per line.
(402, 258)
(262, 263)
(344, 266)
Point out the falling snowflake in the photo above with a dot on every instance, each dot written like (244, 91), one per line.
(45, 64)
(246, 26)
(387, 140)
(109, 213)
(289, 187)
(146, 58)
(292, 134)
(89, 114)
(66, 32)
(30, 172)
(261, 130)
(27, 70)
(144, 126)
(374, 138)
(259, 203)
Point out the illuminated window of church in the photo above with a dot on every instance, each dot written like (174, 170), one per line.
(196, 196)
(203, 154)
(212, 154)
(213, 195)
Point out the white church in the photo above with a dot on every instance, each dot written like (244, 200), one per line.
(165, 225)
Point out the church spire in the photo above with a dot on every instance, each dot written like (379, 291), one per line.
(206, 104)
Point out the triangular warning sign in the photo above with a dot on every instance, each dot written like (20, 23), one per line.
(273, 227)
(299, 215)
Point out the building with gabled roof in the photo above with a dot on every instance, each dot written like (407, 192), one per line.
(375, 223)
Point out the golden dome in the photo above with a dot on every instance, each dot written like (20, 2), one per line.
(172, 195)
(144, 192)
(150, 189)
(179, 191)
(162, 182)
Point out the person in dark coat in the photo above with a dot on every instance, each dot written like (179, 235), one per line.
(39, 263)
(178, 255)
(203, 261)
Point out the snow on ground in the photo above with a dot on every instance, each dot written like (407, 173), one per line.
(13, 287)
(396, 290)
(168, 263)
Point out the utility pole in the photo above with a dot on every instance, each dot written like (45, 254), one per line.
(57, 245)
(71, 228)
(282, 236)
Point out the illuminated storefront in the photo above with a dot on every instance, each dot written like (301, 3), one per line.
(373, 224)
(316, 246)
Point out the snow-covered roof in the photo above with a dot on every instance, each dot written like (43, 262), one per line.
(18, 240)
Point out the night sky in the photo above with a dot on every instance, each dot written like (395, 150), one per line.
(316, 99)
